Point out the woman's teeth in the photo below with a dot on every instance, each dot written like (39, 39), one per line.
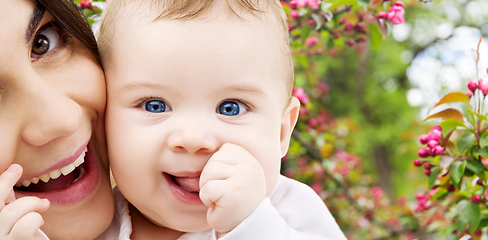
(56, 173)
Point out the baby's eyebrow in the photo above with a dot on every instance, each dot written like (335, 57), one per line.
(241, 88)
(34, 22)
(138, 85)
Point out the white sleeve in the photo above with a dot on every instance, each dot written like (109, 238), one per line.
(42, 234)
(292, 212)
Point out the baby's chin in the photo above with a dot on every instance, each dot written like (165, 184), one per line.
(195, 224)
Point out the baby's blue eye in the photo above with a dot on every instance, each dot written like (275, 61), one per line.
(231, 108)
(155, 106)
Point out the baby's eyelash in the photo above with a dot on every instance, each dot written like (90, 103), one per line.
(146, 99)
(246, 104)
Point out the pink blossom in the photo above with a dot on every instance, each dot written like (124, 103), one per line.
(437, 127)
(484, 87)
(342, 21)
(469, 94)
(85, 4)
(293, 5)
(435, 134)
(294, 14)
(317, 187)
(349, 26)
(382, 15)
(395, 14)
(486, 193)
(438, 150)
(418, 162)
(313, 122)
(432, 143)
(472, 85)
(303, 111)
(311, 41)
(423, 139)
(377, 192)
(311, 22)
(476, 199)
(423, 153)
(398, 3)
(301, 3)
(314, 4)
(301, 95)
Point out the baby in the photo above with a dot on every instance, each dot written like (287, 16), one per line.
(199, 115)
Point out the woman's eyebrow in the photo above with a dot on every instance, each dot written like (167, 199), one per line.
(34, 22)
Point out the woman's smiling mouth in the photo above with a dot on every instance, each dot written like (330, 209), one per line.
(59, 178)
(67, 184)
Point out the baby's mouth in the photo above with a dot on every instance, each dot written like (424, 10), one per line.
(57, 179)
(189, 184)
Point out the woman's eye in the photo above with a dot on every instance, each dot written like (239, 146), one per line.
(155, 106)
(231, 108)
(45, 41)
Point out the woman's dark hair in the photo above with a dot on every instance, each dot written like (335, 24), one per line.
(68, 14)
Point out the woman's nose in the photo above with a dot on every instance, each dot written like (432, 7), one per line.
(49, 113)
(192, 136)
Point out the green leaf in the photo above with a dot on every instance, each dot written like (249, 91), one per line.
(338, 3)
(305, 33)
(439, 194)
(483, 140)
(433, 175)
(451, 124)
(456, 170)
(482, 152)
(376, 36)
(475, 166)
(483, 221)
(480, 117)
(482, 176)
(469, 213)
(324, 6)
(469, 116)
(465, 141)
(302, 60)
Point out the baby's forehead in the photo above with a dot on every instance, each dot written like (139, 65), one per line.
(134, 15)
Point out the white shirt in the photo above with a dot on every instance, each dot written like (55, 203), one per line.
(293, 211)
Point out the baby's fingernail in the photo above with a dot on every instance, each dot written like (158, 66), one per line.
(45, 200)
(13, 168)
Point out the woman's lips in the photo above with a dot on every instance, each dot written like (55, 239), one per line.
(185, 189)
(80, 183)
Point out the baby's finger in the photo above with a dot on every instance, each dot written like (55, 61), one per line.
(11, 213)
(215, 170)
(7, 182)
(212, 192)
(27, 226)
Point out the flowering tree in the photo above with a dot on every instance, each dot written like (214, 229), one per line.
(454, 156)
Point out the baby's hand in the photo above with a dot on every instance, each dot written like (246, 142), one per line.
(232, 185)
(19, 219)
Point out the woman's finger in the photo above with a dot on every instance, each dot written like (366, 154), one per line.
(27, 227)
(7, 182)
(12, 213)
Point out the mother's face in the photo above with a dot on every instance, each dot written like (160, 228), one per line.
(52, 103)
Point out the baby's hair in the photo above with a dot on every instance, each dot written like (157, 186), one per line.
(184, 10)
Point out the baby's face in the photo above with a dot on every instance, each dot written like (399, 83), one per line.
(177, 91)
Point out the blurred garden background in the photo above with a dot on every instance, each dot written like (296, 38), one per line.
(368, 72)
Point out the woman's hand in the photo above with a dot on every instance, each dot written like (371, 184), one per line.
(19, 218)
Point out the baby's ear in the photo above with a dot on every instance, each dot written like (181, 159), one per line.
(288, 121)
